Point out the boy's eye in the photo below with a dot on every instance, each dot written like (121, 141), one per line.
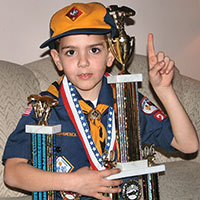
(95, 50)
(70, 52)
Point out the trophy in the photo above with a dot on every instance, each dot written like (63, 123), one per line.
(43, 140)
(133, 161)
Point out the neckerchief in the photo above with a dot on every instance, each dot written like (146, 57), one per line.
(97, 129)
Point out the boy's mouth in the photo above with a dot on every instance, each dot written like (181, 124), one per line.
(85, 75)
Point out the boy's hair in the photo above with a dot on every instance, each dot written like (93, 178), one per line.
(80, 18)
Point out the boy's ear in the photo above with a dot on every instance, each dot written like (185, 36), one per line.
(110, 59)
(55, 55)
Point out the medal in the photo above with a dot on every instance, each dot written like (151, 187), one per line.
(131, 190)
(77, 117)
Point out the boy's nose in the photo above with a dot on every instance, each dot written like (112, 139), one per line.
(83, 61)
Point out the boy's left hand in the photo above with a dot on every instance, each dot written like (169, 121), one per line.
(161, 67)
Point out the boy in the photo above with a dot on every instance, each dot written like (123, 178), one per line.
(79, 48)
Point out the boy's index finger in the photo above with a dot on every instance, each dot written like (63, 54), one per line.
(151, 50)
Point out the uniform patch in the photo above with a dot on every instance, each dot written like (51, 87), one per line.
(74, 13)
(28, 109)
(160, 115)
(63, 165)
(67, 134)
(147, 106)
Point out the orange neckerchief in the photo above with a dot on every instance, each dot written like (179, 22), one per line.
(94, 117)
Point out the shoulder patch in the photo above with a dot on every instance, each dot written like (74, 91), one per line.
(160, 115)
(147, 106)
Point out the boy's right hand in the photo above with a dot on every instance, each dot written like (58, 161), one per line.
(93, 183)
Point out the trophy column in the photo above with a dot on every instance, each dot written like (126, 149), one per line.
(127, 117)
(127, 126)
(43, 141)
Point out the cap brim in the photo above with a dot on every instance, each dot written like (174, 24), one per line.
(50, 41)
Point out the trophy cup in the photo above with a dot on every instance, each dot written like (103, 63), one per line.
(43, 140)
(132, 160)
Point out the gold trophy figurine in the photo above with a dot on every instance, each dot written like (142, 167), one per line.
(127, 115)
(123, 46)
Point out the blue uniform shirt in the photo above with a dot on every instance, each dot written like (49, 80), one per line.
(154, 127)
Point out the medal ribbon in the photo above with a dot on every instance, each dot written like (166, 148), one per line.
(78, 119)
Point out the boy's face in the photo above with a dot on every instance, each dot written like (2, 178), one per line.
(84, 59)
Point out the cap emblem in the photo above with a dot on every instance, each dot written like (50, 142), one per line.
(74, 13)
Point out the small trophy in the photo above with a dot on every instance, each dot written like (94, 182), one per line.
(132, 161)
(43, 140)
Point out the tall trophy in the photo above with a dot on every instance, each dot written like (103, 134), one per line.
(137, 165)
(43, 140)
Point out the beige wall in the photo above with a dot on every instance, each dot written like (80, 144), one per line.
(175, 24)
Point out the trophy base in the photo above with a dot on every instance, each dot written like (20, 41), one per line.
(136, 168)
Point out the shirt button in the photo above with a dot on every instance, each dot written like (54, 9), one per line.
(58, 149)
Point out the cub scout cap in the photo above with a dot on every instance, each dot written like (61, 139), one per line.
(80, 18)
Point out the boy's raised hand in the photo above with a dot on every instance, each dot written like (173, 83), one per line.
(161, 67)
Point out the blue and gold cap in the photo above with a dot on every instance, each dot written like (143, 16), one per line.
(80, 18)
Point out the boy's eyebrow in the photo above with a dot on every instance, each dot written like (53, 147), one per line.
(98, 44)
(67, 47)
(91, 45)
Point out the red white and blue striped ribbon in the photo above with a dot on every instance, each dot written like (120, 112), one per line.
(77, 117)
